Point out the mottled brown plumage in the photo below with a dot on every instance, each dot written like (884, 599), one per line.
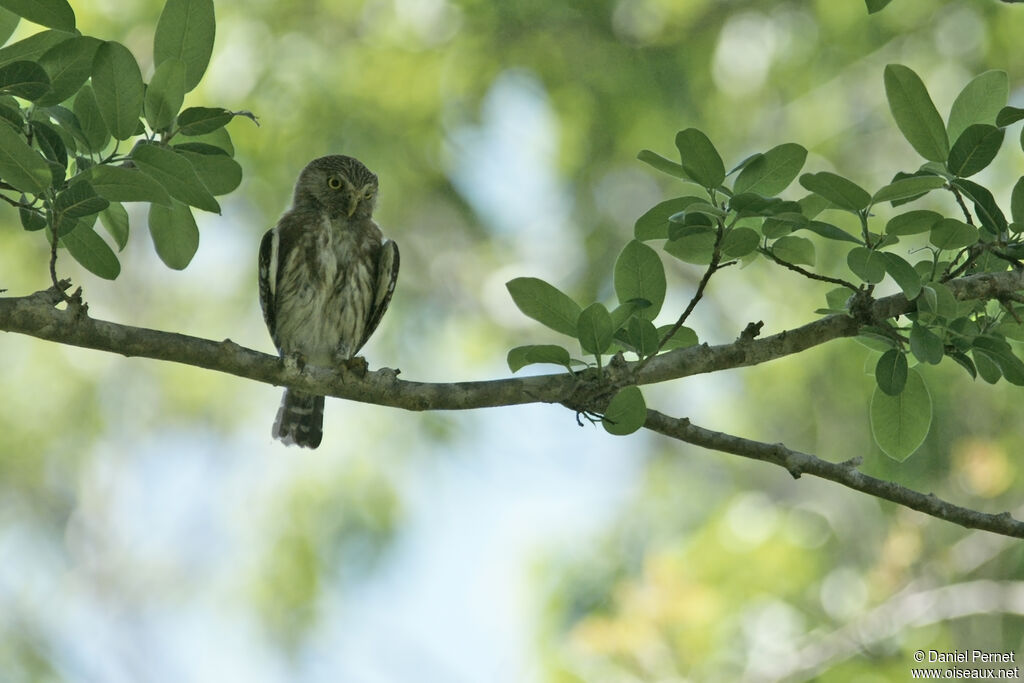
(326, 275)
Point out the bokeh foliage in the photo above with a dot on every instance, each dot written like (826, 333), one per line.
(409, 89)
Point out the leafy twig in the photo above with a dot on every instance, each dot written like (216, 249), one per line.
(808, 274)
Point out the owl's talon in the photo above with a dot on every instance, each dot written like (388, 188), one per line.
(294, 360)
(357, 366)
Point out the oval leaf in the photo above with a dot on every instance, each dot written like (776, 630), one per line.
(202, 120)
(912, 222)
(52, 13)
(795, 250)
(185, 31)
(980, 101)
(626, 412)
(653, 225)
(891, 372)
(1017, 201)
(901, 423)
(696, 245)
(907, 187)
(915, 114)
(21, 166)
(77, 201)
(90, 119)
(92, 252)
(24, 79)
(868, 265)
(975, 149)
(739, 242)
(683, 338)
(699, 158)
(165, 93)
(121, 184)
(175, 174)
(220, 173)
(772, 172)
(661, 163)
(926, 346)
(115, 220)
(521, 356)
(594, 329)
(174, 233)
(903, 274)
(69, 65)
(639, 274)
(843, 193)
(643, 336)
(117, 82)
(545, 303)
(950, 233)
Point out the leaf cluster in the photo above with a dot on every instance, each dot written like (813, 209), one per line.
(81, 133)
(739, 216)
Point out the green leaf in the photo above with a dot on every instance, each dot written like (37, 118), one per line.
(218, 138)
(891, 372)
(975, 149)
(643, 336)
(843, 193)
(624, 311)
(21, 166)
(69, 65)
(903, 188)
(77, 201)
(49, 142)
(202, 120)
(165, 94)
(866, 264)
(964, 361)
(903, 274)
(938, 299)
(117, 82)
(985, 206)
(694, 245)
(52, 13)
(739, 242)
(832, 232)
(220, 173)
(1008, 116)
(795, 250)
(521, 356)
(594, 329)
(33, 47)
(950, 233)
(912, 222)
(127, 185)
(186, 31)
(92, 252)
(915, 113)
(8, 24)
(639, 274)
(700, 159)
(980, 101)
(626, 412)
(176, 174)
(683, 338)
(90, 119)
(545, 304)
(24, 79)
(772, 172)
(115, 219)
(30, 220)
(901, 423)
(660, 163)
(986, 365)
(1017, 201)
(876, 5)
(1001, 353)
(926, 346)
(174, 234)
(653, 225)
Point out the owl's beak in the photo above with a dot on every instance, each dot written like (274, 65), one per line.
(353, 204)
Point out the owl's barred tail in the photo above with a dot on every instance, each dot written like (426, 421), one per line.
(300, 419)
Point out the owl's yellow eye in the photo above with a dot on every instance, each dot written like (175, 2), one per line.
(334, 182)
(368, 194)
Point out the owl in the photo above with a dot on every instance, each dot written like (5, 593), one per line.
(326, 275)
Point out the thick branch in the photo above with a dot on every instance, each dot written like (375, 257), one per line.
(36, 315)
(845, 473)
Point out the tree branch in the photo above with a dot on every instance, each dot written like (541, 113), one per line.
(845, 473)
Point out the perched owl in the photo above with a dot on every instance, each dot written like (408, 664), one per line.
(326, 277)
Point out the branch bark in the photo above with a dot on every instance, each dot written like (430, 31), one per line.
(38, 315)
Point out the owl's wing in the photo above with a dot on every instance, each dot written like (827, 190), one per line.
(387, 276)
(268, 280)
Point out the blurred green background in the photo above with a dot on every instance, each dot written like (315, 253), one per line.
(151, 530)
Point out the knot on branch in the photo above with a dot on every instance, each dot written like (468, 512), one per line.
(751, 332)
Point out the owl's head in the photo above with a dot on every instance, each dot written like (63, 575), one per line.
(338, 184)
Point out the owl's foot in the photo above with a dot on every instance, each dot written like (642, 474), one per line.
(293, 360)
(356, 366)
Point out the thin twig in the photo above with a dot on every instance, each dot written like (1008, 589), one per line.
(808, 274)
(960, 201)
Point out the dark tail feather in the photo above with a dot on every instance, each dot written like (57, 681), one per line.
(300, 419)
